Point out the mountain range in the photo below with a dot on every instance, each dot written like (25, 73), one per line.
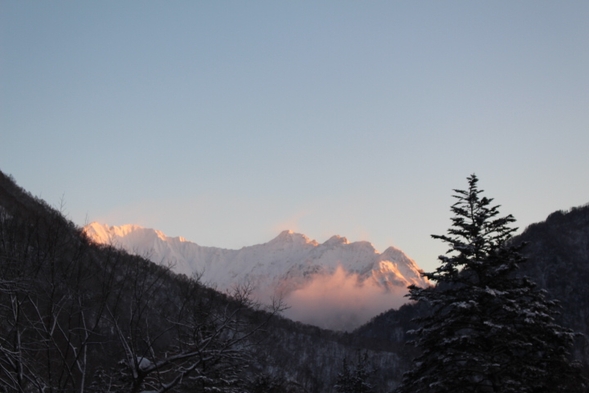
(80, 316)
(335, 284)
(76, 315)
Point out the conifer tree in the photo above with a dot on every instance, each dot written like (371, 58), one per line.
(354, 380)
(344, 379)
(488, 330)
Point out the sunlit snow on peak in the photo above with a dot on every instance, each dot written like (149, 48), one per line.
(362, 282)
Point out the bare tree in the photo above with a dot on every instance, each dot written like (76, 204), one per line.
(79, 317)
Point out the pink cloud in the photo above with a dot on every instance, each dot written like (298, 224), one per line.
(341, 301)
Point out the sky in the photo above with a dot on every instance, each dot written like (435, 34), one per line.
(228, 122)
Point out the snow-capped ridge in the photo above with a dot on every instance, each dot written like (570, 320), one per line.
(288, 236)
(337, 239)
(286, 253)
(290, 262)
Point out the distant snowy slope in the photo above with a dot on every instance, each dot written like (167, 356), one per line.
(287, 265)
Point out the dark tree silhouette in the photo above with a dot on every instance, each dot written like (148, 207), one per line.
(354, 378)
(488, 330)
(79, 317)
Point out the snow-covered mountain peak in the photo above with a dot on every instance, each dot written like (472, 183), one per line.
(395, 253)
(336, 239)
(289, 237)
(290, 264)
(104, 234)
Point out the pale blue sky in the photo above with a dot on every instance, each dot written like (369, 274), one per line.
(226, 122)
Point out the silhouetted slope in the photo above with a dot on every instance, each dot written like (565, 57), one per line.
(557, 255)
(14, 199)
(558, 261)
(76, 315)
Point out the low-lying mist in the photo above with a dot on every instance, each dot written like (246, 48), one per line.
(341, 301)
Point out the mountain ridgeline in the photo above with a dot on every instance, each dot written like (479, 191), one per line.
(557, 260)
(336, 284)
(81, 316)
(76, 315)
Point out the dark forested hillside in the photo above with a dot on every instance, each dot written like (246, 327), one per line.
(76, 316)
(558, 261)
(557, 254)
